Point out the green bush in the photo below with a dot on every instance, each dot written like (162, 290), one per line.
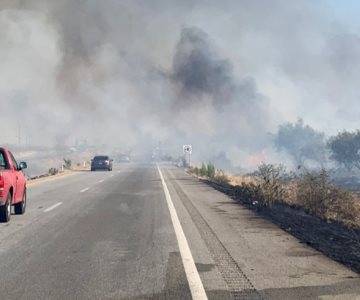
(203, 170)
(210, 170)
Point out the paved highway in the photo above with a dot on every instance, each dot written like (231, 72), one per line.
(137, 233)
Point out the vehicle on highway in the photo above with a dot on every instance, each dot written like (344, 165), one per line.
(101, 162)
(12, 185)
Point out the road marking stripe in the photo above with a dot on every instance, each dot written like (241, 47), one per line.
(53, 207)
(192, 275)
(102, 180)
(84, 190)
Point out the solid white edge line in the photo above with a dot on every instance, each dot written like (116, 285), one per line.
(84, 190)
(53, 207)
(196, 287)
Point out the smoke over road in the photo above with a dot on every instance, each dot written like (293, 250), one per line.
(220, 76)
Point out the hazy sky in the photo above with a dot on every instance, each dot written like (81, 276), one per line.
(220, 75)
(346, 12)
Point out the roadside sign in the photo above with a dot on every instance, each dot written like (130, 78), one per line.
(187, 149)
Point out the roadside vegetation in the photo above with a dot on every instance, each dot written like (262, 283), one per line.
(67, 163)
(209, 171)
(310, 191)
(53, 171)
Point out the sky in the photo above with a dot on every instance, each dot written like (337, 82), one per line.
(221, 76)
(346, 12)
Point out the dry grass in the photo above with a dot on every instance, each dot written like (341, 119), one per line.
(312, 192)
(239, 180)
(291, 194)
(345, 209)
(218, 176)
(357, 209)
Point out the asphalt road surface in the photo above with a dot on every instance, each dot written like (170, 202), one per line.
(136, 233)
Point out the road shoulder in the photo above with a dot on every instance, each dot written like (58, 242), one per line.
(276, 264)
(42, 180)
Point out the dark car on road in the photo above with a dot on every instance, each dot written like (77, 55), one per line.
(101, 162)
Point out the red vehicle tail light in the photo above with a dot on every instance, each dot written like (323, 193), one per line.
(2, 183)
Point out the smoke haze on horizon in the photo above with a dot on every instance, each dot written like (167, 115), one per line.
(220, 76)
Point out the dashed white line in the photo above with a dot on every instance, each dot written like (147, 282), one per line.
(53, 207)
(196, 287)
(102, 180)
(84, 190)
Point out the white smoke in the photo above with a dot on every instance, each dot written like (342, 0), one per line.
(218, 75)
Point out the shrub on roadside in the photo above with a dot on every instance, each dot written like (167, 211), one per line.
(53, 171)
(221, 178)
(67, 163)
(249, 192)
(271, 180)
(203, 170)
(312, 191)
(210, 170)
(318, 196)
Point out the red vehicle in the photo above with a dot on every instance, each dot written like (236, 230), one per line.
(12, 185)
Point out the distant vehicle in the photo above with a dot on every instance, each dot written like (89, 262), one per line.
(12, 185)
(124, 158)
(101, 162)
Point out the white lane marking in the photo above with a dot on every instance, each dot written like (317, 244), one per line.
(102, 180)
(192, 275)
(112, 175)
(84, 190)
(53, 207)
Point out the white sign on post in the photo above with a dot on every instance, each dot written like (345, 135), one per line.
(187, 149)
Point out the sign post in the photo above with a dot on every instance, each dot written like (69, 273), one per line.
(187, 149)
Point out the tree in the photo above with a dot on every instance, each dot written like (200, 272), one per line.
(345, 149)
(203, 170)
(301, 142)
(210, 170)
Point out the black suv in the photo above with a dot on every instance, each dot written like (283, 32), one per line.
(101, 162)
